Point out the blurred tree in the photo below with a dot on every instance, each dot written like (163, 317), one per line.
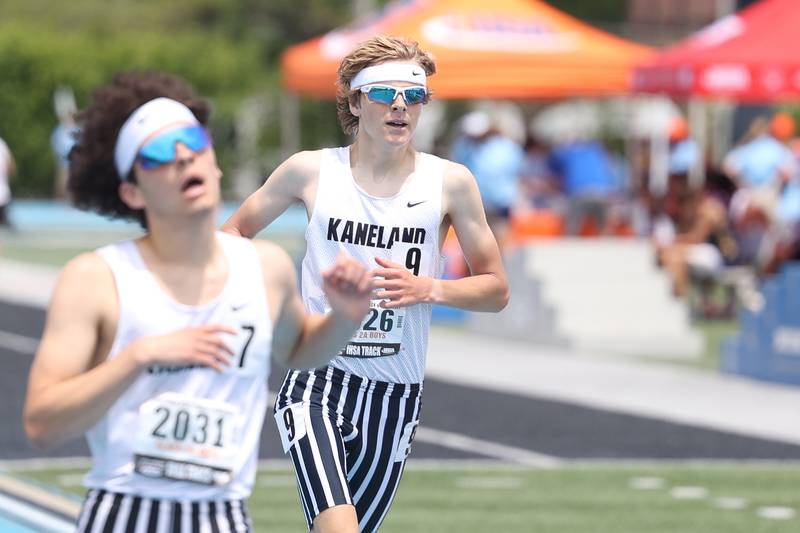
(34, 63)
(594, 10)
(229, 49)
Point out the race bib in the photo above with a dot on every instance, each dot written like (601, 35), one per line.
(404, 446)
(292, 423)
(187, 439)
(380, 335)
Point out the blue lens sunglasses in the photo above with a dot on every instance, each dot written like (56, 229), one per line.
(161, 149)
(385, 94)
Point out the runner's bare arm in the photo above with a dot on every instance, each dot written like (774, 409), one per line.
(71, 384)
(293, 181)
(302, 340)
(486, 289)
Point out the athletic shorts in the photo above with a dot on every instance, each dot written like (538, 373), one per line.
(348, 438)
(105, 511)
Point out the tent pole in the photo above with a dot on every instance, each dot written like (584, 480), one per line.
(290, 123)
(698, 125)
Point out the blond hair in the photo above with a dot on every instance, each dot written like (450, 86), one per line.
(377, 50)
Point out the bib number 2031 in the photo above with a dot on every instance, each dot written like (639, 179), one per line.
(180, 425)
(187, 439)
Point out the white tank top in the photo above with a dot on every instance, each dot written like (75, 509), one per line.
(391, 344)
(5, 159)
(178, 432)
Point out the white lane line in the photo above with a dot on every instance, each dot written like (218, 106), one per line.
(731, 503)
(512, 454)
(776, 513)
(21, 489)
(646, 483)
(70, 480)
(32, 516)
(689, 493)
(18, 343)
(273, 480)
(488, 483)
(47, 463)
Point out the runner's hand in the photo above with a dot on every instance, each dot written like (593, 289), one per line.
(399, 287)
(200, 345)
(348, 287)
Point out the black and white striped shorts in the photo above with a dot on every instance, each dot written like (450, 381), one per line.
(348, 438)
(110, 512)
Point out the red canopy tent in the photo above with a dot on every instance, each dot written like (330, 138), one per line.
(750, 56)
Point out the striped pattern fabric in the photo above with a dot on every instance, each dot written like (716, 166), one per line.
(359, 433)
(109, 512)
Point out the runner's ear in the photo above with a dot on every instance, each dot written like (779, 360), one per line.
(130, 194)
(355, 103)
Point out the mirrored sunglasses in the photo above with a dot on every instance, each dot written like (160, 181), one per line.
(385, 94)
(160, 150)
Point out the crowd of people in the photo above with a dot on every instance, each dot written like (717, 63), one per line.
(745, 213)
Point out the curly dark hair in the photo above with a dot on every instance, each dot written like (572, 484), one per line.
(93, 179)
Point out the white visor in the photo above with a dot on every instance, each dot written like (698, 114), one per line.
(143, 122)
(392, 71)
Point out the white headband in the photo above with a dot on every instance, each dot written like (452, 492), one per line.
(143, 122)
(392, 71)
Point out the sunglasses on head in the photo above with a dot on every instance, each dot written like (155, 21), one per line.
(385, 94)
(160, 150)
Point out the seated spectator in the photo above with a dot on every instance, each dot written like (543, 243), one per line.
(761, 166)
(684, 152)
(708, 243)
(539, 188)
(495, 161)
(785, 233)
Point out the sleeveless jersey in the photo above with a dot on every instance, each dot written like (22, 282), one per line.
(186, 432)
(391, 344)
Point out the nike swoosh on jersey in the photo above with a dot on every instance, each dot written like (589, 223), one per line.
(409, 204)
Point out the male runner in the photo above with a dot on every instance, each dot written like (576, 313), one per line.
(349, 426)
(159, 348)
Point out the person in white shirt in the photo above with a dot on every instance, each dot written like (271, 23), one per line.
(349, 426)
(159, 348)
(8, 168)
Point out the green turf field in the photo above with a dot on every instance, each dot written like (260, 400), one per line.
(578, 499)
(55, 249)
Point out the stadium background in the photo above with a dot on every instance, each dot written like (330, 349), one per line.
(491, 455)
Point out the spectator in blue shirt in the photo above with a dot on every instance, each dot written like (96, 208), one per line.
(586, 175)
(496, 161)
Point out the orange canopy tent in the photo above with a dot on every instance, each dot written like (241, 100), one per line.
(483, 49)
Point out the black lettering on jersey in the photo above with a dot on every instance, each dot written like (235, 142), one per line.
(347, 232)
(373, 231)
(393, 237)
(362, 230)
(166, 369)
(372, 235)
(333, 223)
